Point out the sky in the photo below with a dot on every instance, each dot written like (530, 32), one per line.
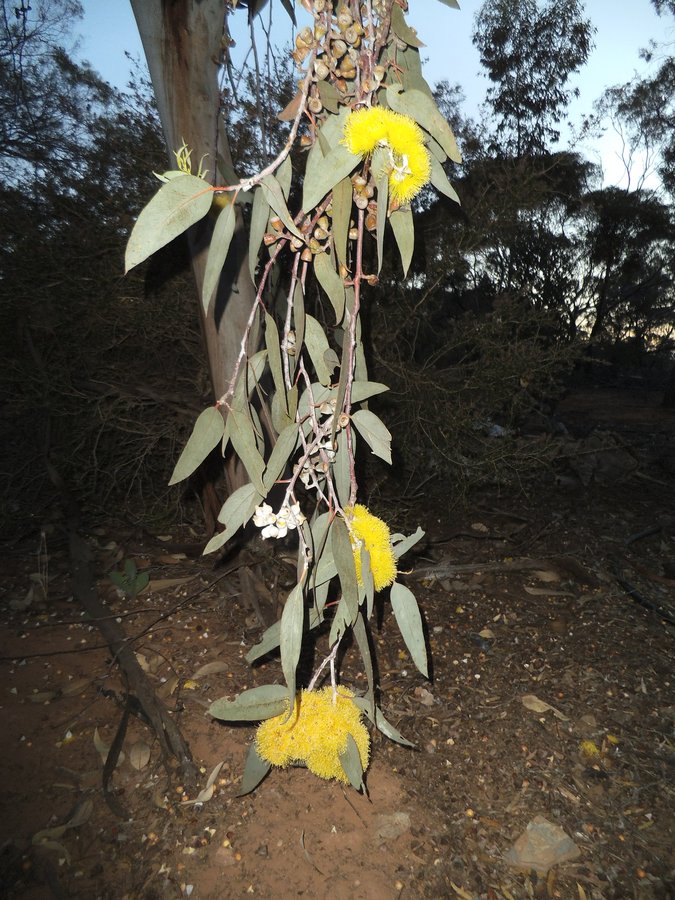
(109, 29)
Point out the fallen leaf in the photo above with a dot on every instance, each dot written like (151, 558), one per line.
(487, 633)
(163, 584)
(207, 792)
(210, 669)
(76, 686)
(534, 704)
(546, 575)
(139, 755)
(43, 696)
(465, 895)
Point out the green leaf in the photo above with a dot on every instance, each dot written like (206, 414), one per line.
(321, 179)
(350, 760)
(401, 28)
(423, 110)
(381, 723)
(374, 432)
(281, 453)
(362, 390)
(218, 249)
(235, 512)
(275, 197)
(342, 620)
(248, 380)
(331, 282)
(254, 771)
(367, 582)
(284, 176)
(290, 638)
(274, 356)
(259, 216)
(271, 637)
(330, 96)
(409, 621)
(341, 473)
(405, 544)
(453, 4)
(243, 440)
(176, 206)
(361, 635)
(253, 705)
(298, 319)
(342, 213)
(343, 555)
(317, 347)
(440, 180)
(404, 232)
(382, 206)
(207, 431)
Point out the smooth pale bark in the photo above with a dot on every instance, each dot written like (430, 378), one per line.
(182, 43)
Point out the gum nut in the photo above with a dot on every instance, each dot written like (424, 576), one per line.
(323, 223)
(306, 36)
(378, 73)
(338, 49)
(314, 105)
(361, 201)
(306, 255)
(321, 70)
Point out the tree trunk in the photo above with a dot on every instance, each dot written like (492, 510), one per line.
(669, 394)
(182, 40)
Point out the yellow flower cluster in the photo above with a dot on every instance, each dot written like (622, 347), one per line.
(315, 734)
(374, 533)
(410, 163)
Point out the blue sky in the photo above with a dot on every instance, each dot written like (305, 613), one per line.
(109, 29)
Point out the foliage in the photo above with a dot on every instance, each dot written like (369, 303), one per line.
(530, 50)
(295, 411)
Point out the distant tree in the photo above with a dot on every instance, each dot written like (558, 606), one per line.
(530, 50)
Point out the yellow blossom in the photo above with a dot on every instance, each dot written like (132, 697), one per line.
(315, 734)
(375, 535)
(409, 161)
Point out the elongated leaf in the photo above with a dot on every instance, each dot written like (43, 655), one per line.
(317, 346)
(274, 356)
(298, 321)
(407, 543)
(321, 179)
(361, 635)
(380, 722)
(362, 390)
(207, 431)
(342, 212)
(453, 4)
(254, 771)
(243, 440)
(282, 452)
(329, 96)
(275, 197)
(409, 621)
(382, 206)
(248, 380)
(176, 206)
(259, 216)
(423, 110)
(253, 705)
(270, 639)
(404, 232)
(350, 760)
(367, 582)
(284, 176)
(342, 621)
(218, 249)
(341, 472)
(440, 180)
(290, 638)
(401, 28)
(343, 555)
(331, 282)
(374, 432)
(239, 507)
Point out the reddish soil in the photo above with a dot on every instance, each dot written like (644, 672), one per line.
(565, 594)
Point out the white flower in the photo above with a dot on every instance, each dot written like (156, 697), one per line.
(263, 515)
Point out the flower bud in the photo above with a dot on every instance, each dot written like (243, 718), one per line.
(361, 201)
(320, 234)
(353, 234)
(306, 255)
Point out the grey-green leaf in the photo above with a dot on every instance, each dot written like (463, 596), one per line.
(254, 771)
(321, 179)
(423, 110)
(176, 206)
(404, 233)
(374, 432)
(243, 440)
(406, 544)
(254, 705)
(381, 723)
(218, 249)
(290, 638)
(350, 760)
(440, 180)
(236, 511)
(331, 282)
(259, 216)
(401, 28)
(409, 621)
(281, 453)
(207, 431)
(344, 560)
(275, 197)
(342, 212)
(317, 346)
